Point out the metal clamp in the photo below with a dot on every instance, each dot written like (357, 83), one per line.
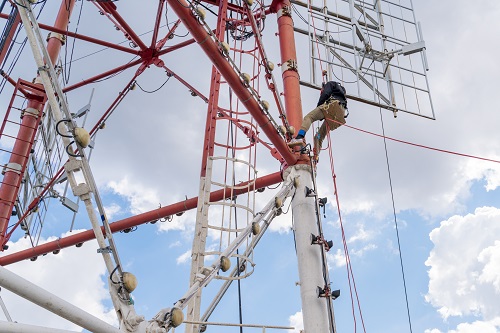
(284, 11)
(14, 167)
(290, 64)
(106, 249)
(57, 35)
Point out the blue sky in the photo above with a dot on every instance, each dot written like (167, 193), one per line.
(447, 206)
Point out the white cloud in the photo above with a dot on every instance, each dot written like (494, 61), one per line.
(336, 259)
(361, 234)
(492, 326)
(74, 274)
(175, 244)
(296, 320)
(490, 257)
(184, 258)
(464, 268)
(141, 199)
(112, 210)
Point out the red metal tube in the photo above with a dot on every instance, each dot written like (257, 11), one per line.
(88, 39)
(211, 49)
(102, 75)
(291, 85)
(111, 9)
(135, 220)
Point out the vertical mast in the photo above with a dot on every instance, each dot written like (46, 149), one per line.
(315, 310)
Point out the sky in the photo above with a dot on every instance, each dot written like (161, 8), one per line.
(446, 206)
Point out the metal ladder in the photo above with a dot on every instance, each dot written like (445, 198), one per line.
(78, 165)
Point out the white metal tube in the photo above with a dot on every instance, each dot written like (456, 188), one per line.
(53, 303)
(11, 327)
(5, 311)
(310, 264)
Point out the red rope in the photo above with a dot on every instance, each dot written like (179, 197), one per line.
(350, 273)
(416, 144)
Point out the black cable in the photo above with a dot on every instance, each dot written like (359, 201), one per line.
(67, 72)
(233, 153)
(153, 91)
(395, 221)
(288, 209)
(273, 188)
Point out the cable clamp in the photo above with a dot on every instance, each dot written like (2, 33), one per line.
(289, 65)
(14, 167)
(106, 249)
(284, 11)
(57, 35)
(30, 112)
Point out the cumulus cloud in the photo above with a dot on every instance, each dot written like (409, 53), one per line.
(464, 265)
(492, 326)
(336, 259)
(183, 258)
(74, 274)
(140, 198)
(296, 321)
(111, 210)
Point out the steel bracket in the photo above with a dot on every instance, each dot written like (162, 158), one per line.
(106, 249)
(285, 11)
(290, 64)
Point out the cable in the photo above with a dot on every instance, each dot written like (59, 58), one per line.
(419, 145)
(67, 72)
(395, 220)
(153, 91)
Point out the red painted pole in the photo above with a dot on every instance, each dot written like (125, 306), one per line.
(211, 49)
(291, 86)
(137, 220)
(9, 188)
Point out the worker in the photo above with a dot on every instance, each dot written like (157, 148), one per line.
(332, 105)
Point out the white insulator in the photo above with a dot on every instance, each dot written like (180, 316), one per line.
(270, 66)
(176, 317)
(246, 78)
(225, 264)
(225, 47)
(265, 105)
(291, 130)
(255, 228)
(201, 13)
(249, 2)
(129, 281)
(82, 137)
(278, 202)
(282, 129)
(279, 211)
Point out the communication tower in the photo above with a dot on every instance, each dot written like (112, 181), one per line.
(259, 54)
